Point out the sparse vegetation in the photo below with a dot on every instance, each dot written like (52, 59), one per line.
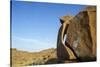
(22, 58)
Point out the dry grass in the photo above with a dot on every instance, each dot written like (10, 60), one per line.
(23, 58)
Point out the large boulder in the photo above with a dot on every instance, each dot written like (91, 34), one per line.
(77, 36)
(81, 34)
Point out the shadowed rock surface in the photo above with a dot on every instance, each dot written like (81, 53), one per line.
(80, 40)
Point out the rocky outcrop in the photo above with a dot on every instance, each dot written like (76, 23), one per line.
(80, 36)
(63, 52)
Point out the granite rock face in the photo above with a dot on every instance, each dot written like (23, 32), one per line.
(80, 36)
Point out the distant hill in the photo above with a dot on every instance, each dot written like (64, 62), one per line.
(24, 58)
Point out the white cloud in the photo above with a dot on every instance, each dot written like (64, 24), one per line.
(29, 40)
(32, 44)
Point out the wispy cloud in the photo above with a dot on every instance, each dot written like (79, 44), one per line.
(34, 44)
(36, 41)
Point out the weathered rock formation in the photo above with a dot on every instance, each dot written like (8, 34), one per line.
(63, 52)
(80, 31)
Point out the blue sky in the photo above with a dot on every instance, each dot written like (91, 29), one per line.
(35, 25)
